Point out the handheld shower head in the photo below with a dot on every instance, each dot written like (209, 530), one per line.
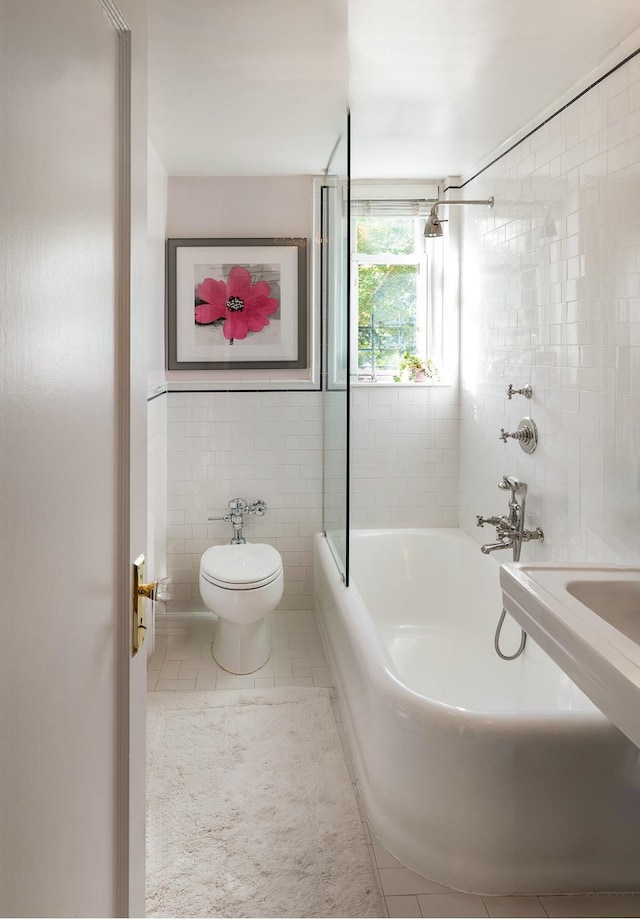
(511, 481)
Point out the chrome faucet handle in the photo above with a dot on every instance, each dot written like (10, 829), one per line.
(493, 521)
(526, 435)
(526, 391)
(527, 535)
(520, 435)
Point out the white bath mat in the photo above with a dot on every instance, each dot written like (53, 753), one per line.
(250, 810)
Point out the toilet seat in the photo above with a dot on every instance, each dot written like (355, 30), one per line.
(241, 584)
(241, 567)
(231, 585)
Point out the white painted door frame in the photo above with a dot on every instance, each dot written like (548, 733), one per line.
(130, 378)
(130, 769)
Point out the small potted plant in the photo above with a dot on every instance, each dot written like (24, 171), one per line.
(415, 369)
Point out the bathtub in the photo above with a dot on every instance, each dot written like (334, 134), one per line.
(487, 776)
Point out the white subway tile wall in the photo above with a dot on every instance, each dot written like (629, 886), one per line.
(156, 551)
(551, 297)
(335, 443)
(269, 445)
(405, 456)
(249, 445)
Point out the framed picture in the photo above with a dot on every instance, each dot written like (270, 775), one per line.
(237, 304)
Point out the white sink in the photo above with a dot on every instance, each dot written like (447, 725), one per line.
(587, 619)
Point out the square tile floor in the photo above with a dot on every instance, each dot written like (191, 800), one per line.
(182, 659)
(182, 662)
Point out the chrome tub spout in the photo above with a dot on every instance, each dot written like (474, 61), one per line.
(494, 546)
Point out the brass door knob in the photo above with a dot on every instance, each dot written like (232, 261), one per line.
(148, 590)
(139, 626)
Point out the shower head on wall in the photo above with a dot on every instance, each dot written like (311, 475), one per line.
(433, 226)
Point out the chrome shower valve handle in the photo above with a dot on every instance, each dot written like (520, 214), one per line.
(526, 391)
(526, 435)
(522, 435)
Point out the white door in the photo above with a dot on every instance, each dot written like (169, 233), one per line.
(70, 696)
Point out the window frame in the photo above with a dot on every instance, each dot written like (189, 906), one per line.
(424, 307)
(400, 198)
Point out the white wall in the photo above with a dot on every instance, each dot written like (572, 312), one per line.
(405, 456)
(405, 438)
(558, 311)
(562, 312)
(221, 206)
(223, 445)
(245, 445)
(156, 232)
(156, 552)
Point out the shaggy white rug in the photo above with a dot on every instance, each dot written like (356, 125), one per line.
(251, 811)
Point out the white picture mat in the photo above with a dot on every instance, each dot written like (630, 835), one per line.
(278, 341)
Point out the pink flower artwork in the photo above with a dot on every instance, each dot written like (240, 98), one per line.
(244, 306)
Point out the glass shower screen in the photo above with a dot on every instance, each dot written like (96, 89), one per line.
(335, 310)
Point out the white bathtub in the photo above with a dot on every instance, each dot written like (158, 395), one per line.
(488, 776)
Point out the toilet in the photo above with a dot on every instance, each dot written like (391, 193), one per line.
(241, 584)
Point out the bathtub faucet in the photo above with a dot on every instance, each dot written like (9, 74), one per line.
(510, 530)
(490, 547)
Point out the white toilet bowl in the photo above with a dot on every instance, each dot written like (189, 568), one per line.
(241, 584)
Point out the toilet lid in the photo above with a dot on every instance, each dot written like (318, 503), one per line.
(247, 564)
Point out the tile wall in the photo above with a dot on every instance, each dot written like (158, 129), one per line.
(405, 456)
(551, 297)
(269, 445)
(335, 441)
(250, 445)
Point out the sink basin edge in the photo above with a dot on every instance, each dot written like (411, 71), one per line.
(602, 661)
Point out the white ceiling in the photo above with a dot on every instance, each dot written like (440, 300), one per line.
(259, 87)
(246, 87)
(435, 85)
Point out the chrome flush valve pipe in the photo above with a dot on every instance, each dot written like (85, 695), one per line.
(238, 507)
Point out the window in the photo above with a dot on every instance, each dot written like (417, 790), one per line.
(390, 287)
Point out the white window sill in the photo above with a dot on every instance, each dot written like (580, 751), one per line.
(390, 384)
